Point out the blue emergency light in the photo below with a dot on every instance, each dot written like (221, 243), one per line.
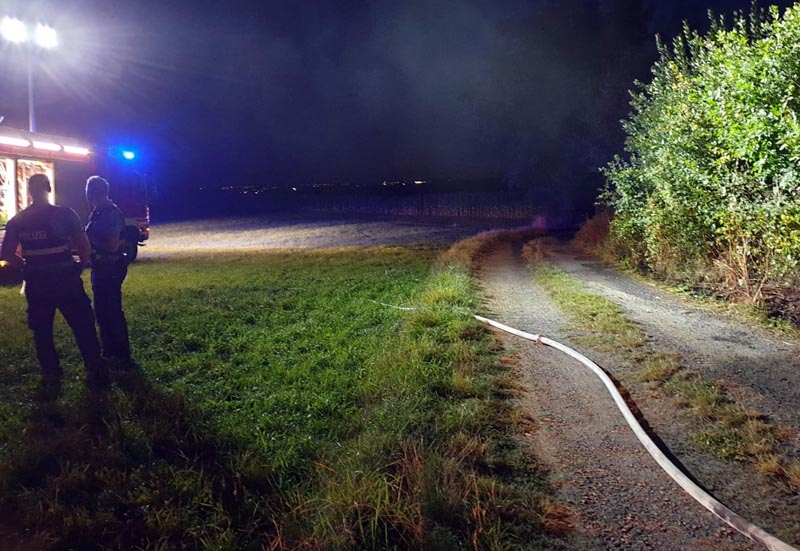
(128, 155)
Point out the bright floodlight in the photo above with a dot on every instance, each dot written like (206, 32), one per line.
(13, 30)
(129, 155)
(46, 36)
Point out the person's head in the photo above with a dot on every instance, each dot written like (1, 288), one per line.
(39, 188)
(96, 190)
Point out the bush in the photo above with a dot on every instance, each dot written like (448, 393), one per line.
(710, 182)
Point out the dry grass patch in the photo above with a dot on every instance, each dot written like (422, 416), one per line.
(658, 367)
(557, 518)
(471, 251)
(791, 471)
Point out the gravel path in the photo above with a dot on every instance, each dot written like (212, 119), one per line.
(620, 498)
(765, 369)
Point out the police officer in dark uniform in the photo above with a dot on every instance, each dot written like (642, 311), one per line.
(109, 268)
(46, 235)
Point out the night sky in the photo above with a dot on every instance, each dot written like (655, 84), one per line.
(240, 92)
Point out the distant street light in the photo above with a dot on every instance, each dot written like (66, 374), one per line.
(45, 37)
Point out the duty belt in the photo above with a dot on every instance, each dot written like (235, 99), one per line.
(106, 257)
(50, 269)
(45, 252)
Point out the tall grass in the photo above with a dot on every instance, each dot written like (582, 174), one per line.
(279, 405)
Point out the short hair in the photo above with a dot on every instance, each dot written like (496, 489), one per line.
(97, 186)
(39, 183)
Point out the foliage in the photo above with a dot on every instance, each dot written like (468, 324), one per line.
(710, 179)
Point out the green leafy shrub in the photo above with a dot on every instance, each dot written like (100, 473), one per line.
(709, 187)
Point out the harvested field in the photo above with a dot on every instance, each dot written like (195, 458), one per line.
(284, 232)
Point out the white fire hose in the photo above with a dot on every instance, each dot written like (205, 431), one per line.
(701, 496)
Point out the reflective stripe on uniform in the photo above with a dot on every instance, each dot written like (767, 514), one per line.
(45, 252)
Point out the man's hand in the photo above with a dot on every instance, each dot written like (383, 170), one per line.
(14, 262)
(80, 243)
(10, 250)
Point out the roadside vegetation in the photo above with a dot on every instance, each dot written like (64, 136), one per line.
(279, 404)
(708, 193)
(722, 425)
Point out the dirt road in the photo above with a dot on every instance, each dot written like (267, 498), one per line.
(765, 369)
(620, 497)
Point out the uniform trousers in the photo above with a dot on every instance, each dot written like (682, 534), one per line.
(107, 278)
(62, 290)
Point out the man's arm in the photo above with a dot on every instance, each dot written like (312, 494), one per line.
(105, 233)
(77, 238)
(10, 246)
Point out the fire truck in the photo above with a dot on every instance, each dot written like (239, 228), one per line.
(68, 163)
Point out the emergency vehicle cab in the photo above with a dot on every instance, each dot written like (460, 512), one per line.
(68, 163)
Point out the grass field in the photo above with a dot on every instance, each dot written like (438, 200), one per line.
(278, 405)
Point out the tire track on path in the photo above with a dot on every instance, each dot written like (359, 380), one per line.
(765, 367)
